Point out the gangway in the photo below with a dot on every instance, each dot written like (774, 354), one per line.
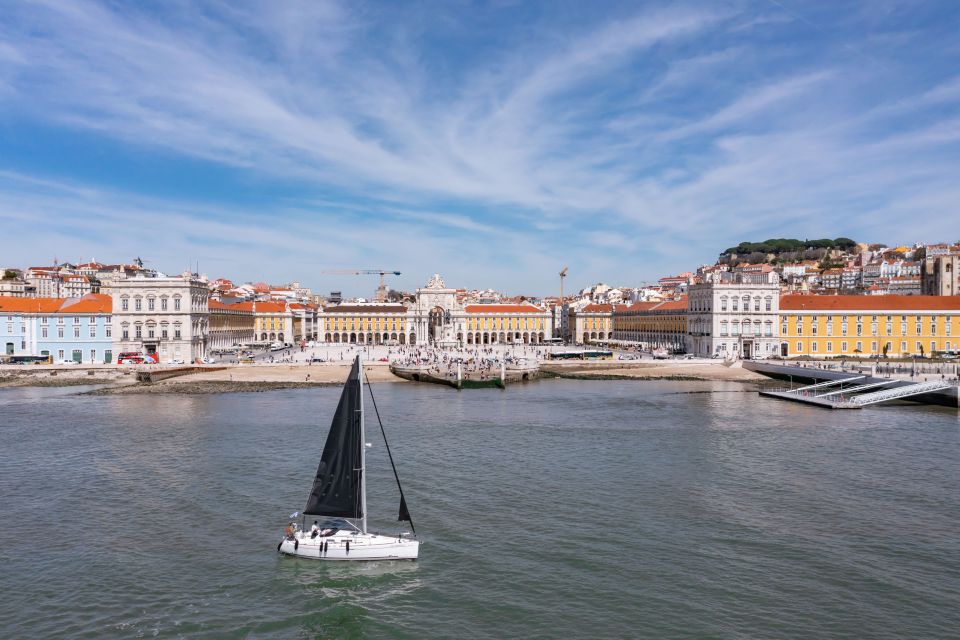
(901, 392)
(858, 389)
(828, 383)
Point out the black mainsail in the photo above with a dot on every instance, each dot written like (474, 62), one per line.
(337, 489)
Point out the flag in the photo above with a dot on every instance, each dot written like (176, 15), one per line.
(294, 514)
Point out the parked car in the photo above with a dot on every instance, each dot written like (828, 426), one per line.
(175, 361)
(208, 360)
(316, 359)
(65, 361)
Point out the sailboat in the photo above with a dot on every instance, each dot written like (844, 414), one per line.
(340, 492)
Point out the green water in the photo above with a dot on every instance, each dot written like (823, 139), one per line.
(561, 508)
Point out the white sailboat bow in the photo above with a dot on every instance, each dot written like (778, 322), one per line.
(340, 491)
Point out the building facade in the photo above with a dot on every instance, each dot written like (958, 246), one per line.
(77, 329)
(166, 316)
(367, 323)
(941, 275)
(733, 320)
(230, 325)
(592, 323)
(274, 322)
(895, 326)
(652, 325)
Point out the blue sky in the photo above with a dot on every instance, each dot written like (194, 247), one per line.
(494, 142)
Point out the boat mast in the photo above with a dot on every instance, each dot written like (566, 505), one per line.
(363, 455)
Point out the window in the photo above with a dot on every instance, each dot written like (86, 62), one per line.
(150, 332)
(76, 331)
(933, 326)
(44, 320)
(176, 304)
(873, 328)
(125, 333)
(736, 304)
(723, 303)
(734, 328)
(138, 303)
(93, 355)
(829, 346)
(138, 331)
(859, 329)
(799, 327)
(768, 303)
(873, 347)
(76, 320)
(843, 346)
(814, 326)
(93, 330)
(163, 303)
(163, 333)
(756, 304)
(59, 332)
(60, 320)
(859, 346)
(43, 332)
(799, 347)
(176, 334)
(125, 303)
(109, 329)
(903, 347)
(813, 347)
(60, 354)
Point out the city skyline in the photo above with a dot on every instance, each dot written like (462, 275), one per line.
(497, 144)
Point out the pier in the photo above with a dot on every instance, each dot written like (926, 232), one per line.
(845, 389)
(466, 379)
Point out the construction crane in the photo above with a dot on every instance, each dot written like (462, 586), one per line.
(381, 290)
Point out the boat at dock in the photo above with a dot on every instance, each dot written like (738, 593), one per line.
(339, 493)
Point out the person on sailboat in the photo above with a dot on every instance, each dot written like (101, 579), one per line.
(289, 531)
(315, 529)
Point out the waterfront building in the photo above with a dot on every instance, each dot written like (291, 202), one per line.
(592, 323)
(504, 324)
(274, 322)
(438, 315)
(892, 325)
(652, 325)
(230, 325)
(77, 329)
(733, 318)
(163, 315)
(305, 321)
(367, 323)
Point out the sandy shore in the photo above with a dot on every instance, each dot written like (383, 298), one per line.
(247, 378)
(661, 370)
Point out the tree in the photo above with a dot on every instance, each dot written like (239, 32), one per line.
(9, 274)
(394, 296)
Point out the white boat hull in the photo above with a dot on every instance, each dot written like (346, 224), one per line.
(350, 545)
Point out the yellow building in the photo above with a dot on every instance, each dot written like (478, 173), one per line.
(592, 323)
(273, 322)
(366, 324)
(504, 323)
(654, 324)
(898, 326)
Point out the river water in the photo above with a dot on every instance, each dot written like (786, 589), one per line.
(561, 508)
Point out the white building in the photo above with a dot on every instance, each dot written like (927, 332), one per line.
(733, 320)
(163, 315)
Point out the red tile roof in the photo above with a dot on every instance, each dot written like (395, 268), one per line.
(502, 308)
(90, 303)
(869, 303)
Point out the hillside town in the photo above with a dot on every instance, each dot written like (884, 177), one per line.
(819, 299)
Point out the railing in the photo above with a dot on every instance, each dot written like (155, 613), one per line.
(901, 392)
